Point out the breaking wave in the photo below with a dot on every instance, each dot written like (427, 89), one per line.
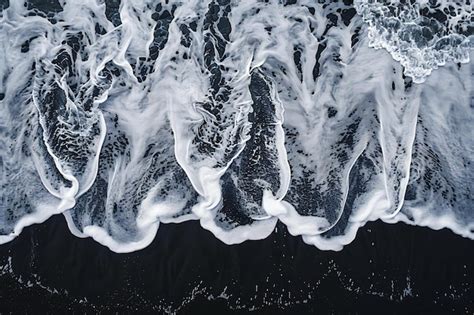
(126, 114)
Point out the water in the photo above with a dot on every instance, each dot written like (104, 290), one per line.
(239, 114)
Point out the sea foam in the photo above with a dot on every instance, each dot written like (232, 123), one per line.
(126, 114)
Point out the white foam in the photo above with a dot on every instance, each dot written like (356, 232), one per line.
(334, 133)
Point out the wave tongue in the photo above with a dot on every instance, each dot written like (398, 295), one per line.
(439, 192)
(32, 189)
(72, 134)
(259, 169)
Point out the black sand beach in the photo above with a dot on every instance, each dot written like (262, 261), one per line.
(387, 269)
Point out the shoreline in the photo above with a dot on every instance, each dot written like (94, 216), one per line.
(186, 269)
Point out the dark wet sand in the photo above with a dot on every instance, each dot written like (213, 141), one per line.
(373, 273)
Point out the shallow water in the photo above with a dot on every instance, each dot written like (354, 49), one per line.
(239, 114)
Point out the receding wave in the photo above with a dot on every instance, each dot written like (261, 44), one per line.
(122, 115)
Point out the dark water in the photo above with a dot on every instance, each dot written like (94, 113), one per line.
(395, 268)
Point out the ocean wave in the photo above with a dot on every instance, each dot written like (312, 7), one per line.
(122, 115)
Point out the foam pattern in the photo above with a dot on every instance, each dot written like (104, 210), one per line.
(124, 115)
